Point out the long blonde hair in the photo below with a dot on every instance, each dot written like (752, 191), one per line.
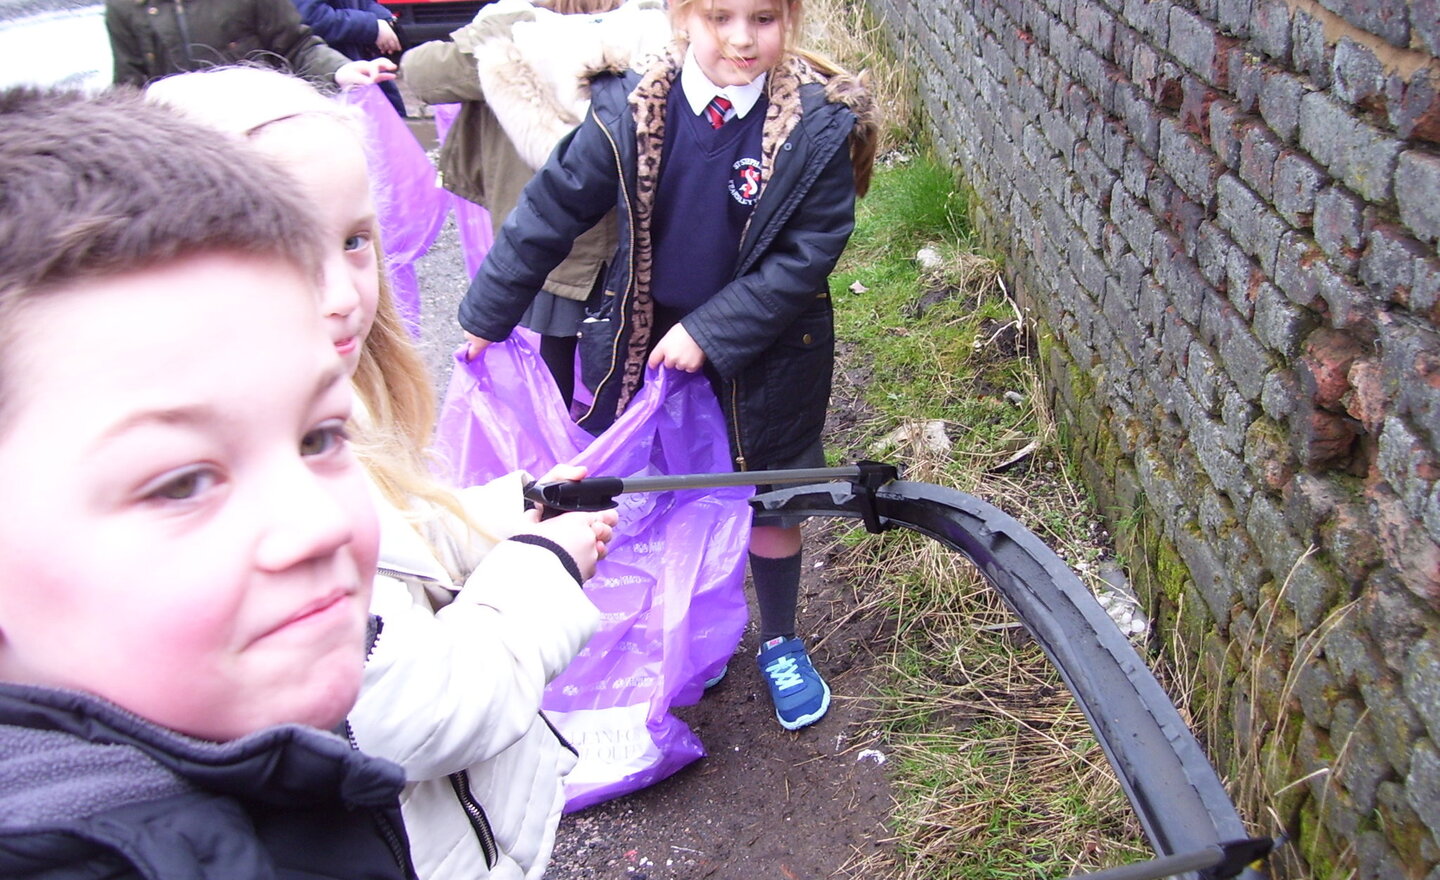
(391, 380)
(393, 383)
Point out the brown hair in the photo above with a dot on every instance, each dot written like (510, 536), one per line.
(96, 186)
(865, 137)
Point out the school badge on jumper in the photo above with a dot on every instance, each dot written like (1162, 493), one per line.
(745, 181)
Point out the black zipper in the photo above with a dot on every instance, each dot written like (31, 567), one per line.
(740, 464)
(476, 814)
(398, 850)
(570, 747)
(617, 313)
(374, 626)
(397, 846)
(405, 575)
(460, 781)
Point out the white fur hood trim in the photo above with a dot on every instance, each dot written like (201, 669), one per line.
(535, 65)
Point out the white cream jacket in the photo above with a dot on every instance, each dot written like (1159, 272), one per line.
(453, 686)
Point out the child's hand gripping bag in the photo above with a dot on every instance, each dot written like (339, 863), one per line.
(671, 588)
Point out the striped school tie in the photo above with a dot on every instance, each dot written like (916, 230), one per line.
(715, 111)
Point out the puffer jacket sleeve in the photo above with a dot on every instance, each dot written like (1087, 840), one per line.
(745, 317)
(341, 26)
(446, 690)
(574, 189)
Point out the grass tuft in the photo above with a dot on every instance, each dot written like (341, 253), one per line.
(995, 771)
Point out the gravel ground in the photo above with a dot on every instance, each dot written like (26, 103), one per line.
(443, 280)
(441, 272)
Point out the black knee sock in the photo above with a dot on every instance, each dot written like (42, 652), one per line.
(777, 592)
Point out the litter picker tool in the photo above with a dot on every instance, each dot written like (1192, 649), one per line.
(599, 493)
(1182, 806)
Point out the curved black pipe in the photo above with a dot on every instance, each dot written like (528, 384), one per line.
(1169, 781)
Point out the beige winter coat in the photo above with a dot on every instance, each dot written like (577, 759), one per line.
(521, 74)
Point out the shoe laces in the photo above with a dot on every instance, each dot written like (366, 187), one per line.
(785, 673)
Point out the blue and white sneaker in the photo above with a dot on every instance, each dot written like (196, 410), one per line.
(800, 695)
(717, 677)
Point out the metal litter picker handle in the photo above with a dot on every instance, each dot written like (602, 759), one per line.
(599, 493)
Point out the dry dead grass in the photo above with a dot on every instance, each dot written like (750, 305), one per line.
(998, 774)
(846, 32)
(1267, 786)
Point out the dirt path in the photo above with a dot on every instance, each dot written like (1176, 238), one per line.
(764, 803)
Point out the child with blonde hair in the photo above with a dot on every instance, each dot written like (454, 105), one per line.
(189, 542)
(479, 602)
(732, 165)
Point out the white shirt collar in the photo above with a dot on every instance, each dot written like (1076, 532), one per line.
(699, 89)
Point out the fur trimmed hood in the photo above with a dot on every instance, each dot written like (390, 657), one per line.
(535, 65)
(853, 91)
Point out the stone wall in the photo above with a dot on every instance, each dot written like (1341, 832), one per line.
(1223, 217)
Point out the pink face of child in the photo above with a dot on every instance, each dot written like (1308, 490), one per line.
(735, 41)
(185, 531)
(326, 158)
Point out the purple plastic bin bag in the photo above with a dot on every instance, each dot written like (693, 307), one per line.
(472, 221)
(671, 588)
(411, 206)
